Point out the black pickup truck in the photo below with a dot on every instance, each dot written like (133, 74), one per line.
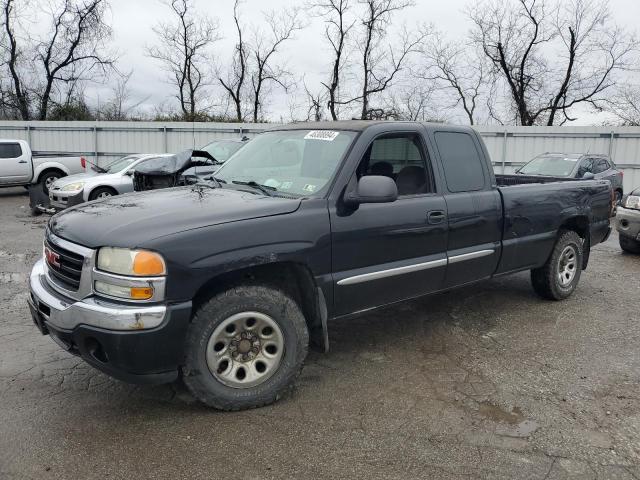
(227, 283)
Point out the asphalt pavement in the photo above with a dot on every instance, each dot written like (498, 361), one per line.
(487, 381)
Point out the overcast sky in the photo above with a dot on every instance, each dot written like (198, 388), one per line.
(133, 20)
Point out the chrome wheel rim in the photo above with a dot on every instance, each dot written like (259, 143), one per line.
(245, 350)
(567, 265)
(49, 181)
(103, 195)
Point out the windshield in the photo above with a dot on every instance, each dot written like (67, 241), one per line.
(294, 162)
(120, 164)
(551, 165)
(221, 150)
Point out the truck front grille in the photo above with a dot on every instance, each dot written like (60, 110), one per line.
(65, 267)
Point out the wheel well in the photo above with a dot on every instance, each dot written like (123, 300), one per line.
(580, 225)
(50, 170)
(103, 187)
(292, 278)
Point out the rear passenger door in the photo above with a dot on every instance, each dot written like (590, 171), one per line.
(473, 206)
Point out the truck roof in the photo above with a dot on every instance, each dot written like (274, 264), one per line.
(361, 125)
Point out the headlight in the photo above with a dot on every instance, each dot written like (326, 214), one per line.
(633, 201)
(138, 263)
(73, 187)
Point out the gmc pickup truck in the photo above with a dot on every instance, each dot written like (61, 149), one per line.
(227, 283)
(18, 166)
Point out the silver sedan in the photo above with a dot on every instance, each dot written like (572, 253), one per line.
(114, 179)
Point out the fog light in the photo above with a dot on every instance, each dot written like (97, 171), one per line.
(129, 293)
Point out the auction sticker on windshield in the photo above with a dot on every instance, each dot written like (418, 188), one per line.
(326, 135)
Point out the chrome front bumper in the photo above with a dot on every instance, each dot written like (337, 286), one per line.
(628, 222)
(66, 314)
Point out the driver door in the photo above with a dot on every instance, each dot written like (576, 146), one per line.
(386, 252)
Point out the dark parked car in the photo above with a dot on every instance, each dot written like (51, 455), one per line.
(227, 284)
(628, 222)
(221, 150)
(576, 165)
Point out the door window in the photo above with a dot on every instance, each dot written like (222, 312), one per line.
(600, 166)
(585, 166)
(462, 163)
(399, 156)
(10, 150)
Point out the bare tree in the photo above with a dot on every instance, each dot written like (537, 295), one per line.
(236, 77)
(121, 105)
(381, 63)
(315, 104)
(183, 47)
(337, 29)
(454, 67)
(552, 55)
(49, 63)
(266, 45)
(625, 105)
(17, 96)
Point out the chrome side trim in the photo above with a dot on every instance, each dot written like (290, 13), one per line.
(365, 277)
(470, 256)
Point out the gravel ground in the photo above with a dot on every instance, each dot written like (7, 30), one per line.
(483, 382)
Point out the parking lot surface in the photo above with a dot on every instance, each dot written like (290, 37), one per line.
(484, 382)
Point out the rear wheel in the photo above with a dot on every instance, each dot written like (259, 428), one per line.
(245, 347)
(628, 244)
(102, 192)
(47, 179)
(559, 277)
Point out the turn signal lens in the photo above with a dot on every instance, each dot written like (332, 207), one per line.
(148, 264)
(119, 291)
(141, 293)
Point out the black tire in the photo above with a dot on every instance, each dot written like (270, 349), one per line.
(254, 298)
(546, 279)
(47, 178)
(102, 192)
(628, 244)
(618, 200)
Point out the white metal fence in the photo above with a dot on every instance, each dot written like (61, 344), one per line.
(509, 146)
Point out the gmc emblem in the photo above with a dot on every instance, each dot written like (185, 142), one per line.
(52, 257)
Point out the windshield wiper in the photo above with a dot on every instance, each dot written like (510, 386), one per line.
(267, 190)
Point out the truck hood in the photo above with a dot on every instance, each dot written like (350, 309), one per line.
(131, 220)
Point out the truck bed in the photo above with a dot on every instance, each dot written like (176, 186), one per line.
(508, 180)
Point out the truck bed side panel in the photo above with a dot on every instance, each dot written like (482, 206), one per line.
(535, 212)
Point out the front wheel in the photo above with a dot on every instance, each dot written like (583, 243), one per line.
(559, 276)
(101, 192)
(245, 347)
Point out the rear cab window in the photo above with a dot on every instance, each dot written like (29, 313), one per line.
(462, 163)
(10, 150)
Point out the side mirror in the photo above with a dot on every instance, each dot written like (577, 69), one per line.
(588, 176)
(129, 173)
(373, 189)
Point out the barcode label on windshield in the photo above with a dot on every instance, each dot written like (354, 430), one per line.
(325, 135)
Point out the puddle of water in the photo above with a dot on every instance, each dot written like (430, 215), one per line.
(499, 414)
(516, 424)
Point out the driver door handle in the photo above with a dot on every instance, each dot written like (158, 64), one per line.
(435, 217)
(22, 161)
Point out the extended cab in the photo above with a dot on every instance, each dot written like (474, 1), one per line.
(18, 166)
(228, 283)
